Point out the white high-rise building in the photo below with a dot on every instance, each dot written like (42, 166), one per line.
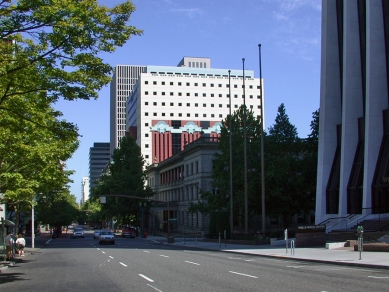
(353, 154)
(167, 107)
(122, 83)
(85, 189)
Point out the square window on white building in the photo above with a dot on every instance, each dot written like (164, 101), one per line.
(196, 115)
(171, 114)
(146, 114)
(163, 82)
(154, 103)
(204, 95)
(146, 103)
(171, 83)
(146, 93)
(146, 135)
(188, 115)
(163, 104)
(179, 104)
(154, 114)
(196, 94)
(146, 145)
(180, 115)
(204, 85)
(154, 93)
(146, 82)
(212, 115)
(179, 83)
(163, 114)
(188, 104)
(146, 124)
(187, 84)
(204, 105)
(187, 94)
(172, 104)
(204, 115)
(220, 116)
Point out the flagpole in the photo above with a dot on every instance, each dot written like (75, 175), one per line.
(262, 146)
(246, 212)
(230, 129)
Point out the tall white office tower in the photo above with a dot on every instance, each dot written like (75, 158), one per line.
(99, 157)
(85, 189)
(123, 81)
(353, 158)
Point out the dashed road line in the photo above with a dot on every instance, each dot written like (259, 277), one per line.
(103, 252)
(146, 251)
(376, 277)
(144, 277)
(111, 257)
(243, 274)
(156, 289)
(123, 264)
(165, 256)
(192, 263)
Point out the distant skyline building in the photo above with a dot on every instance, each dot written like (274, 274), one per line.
(353, 155)
(123, 81)
(99, 157)
(85, 189)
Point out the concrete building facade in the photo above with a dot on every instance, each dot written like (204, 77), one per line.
(85, 189)
(122, 84)
(353, 160)
(178, 180)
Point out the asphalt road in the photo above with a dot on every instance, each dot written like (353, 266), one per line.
(145, 265)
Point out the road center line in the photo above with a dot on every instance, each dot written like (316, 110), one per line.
(146, 251)
(243, 274)
(154, 288)
(144, 277)
(192, 263)
(161, 255)
(375, 277)
(122, 264)
(111, 257)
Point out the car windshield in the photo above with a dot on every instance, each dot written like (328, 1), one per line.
(106, 233)
(78, 229)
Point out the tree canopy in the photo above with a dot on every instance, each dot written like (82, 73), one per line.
(124, 176)
(49, 50)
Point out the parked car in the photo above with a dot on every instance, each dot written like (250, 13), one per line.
(78, 232)
(128, 231)
(106, 236)
(96, 234)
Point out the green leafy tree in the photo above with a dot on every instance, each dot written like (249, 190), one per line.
(284, 180)
(57, 208)
(33, 146)
(124, 176)
(218, 200)
(61, 41)
(49, 50)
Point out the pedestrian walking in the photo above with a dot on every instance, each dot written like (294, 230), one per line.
(9, 241)
(20, 244)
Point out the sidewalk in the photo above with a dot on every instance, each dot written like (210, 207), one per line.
(340, 256)
(39, 242)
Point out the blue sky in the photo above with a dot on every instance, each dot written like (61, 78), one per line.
(225, 31)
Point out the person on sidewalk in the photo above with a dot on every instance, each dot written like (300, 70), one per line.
(9, 241)
(20, 244)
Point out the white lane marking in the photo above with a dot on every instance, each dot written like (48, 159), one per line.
(232, 258)
(249, 260)
(295, 267)
(155, 241)
(154, 288)
(103, 252)
(144, 277)
(111, 257)
(146, 251)
(243, 274)
(165, 256)
(192, 263)
(98, 249)
(375, 277)
(123, 264)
